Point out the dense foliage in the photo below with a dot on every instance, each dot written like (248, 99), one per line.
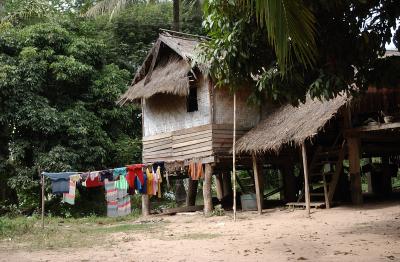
(60, 76)
(351, 35)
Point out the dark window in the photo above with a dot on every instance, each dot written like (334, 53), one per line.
(191, 102)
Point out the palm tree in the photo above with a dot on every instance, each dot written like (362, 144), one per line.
(290, 26)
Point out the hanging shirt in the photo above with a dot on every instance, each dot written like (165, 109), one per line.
(132, 172)
(93, 180)
(149, 182)
(59, 181)
(106, 174)
(121, 171)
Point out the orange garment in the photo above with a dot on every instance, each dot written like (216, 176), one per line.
(199, 170)
(149, 182)
(195, 170)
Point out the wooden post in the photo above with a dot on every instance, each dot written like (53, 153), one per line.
(192, 192)
(218, 186)
(208, 206)
(327, 204)
(258, 185)
(42, 198)
(354, 170)
(234, 157)
(145, 205)
(305, 171)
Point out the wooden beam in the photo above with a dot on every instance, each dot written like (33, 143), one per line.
(258, 185)
(208, 206)
(305, 171)
(145, 205)
(354, 169)
(383, 126)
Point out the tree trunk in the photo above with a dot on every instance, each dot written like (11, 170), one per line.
(175, 24)
(208, 206)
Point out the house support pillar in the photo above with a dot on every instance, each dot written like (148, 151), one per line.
(192, 192)
(258, 184)
(305, 171)
(145, 205)
(227, 185)
(208, 206)
(354, 170)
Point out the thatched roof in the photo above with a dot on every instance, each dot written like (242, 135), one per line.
(289, 125)
(171, 77)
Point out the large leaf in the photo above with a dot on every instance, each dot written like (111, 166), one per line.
(291, 29)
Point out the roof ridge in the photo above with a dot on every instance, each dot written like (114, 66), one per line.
(182, 35)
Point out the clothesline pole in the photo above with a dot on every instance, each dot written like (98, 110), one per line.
(234, 156)
(43, 181)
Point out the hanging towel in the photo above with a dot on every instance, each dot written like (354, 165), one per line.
(155, 181)
(59, 181)
(199, 170)
(121, 171)
(111, 197)
(149, 183)
(70, 196)
(122, 187)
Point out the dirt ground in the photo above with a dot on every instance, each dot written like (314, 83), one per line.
(367, 233)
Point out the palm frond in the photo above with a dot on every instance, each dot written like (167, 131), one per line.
(112, 7)
(291, 28)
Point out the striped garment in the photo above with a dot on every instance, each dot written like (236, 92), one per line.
(118, 200)
(70, 196)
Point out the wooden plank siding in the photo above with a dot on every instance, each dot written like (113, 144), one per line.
(197, 142)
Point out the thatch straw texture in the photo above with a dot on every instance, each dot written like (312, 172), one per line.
(171, 78)
(289, 125)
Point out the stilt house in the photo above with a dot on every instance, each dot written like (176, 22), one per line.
(184, 117)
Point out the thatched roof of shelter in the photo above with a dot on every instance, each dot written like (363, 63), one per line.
(289, 125)
(170, 77)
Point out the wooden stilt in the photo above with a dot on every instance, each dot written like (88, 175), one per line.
(258, 185)
(234, 157)
(208, 206)
(305, 171)
(327, 204)
(145, 205)
(192, 192)
(218, 186)
(354, 169)
(42, 198)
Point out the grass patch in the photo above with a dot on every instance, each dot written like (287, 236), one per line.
(26, 232)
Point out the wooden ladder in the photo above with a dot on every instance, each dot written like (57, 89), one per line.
(332, 158)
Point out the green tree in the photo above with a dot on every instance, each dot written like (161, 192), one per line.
(351, 35)
(58, 89)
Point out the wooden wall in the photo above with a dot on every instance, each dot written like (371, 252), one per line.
(163, 113)
(203, 142)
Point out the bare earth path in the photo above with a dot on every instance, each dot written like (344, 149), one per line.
(370, 233)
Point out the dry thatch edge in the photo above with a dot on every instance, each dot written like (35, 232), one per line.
(170, 77)
(254, 140)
